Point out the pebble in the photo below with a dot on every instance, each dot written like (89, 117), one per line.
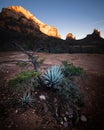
(33, 111)
(36, 92)
(42, 97)
(65, 119)
(83, 118)
(61, 122)
(16, 111)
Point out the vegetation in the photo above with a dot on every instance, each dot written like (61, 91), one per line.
(71, 93)
(27, 100)
(58, 79)
(53, 76)
(70, 70)
(25, 80)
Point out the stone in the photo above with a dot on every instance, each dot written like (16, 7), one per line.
(42, 97)
(83, 118)
(16, 111)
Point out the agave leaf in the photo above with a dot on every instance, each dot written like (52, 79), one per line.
(53, 76)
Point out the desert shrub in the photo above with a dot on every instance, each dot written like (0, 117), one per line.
(71, 93)
(52, 76)
(25, 80)
(71, 70)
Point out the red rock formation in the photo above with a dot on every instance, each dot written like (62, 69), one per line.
(70, 36)
(95, 35)
(19, 19)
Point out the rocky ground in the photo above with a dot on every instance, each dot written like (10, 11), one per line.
(92, 115)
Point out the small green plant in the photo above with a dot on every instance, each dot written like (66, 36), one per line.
(25, 80)
(53, 76)
(27, 100)
(70, 70)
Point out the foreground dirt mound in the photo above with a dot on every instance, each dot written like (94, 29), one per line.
(92, 87)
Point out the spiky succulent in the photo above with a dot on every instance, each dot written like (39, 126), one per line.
(27, 100)
(53, 76)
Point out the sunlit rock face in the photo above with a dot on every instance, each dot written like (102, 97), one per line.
(19, 19)
(70, 36)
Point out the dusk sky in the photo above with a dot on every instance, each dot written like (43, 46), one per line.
(79, 17)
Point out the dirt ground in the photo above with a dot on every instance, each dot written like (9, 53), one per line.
(91, 86)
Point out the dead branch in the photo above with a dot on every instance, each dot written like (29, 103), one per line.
(32, 58)
(9, 61)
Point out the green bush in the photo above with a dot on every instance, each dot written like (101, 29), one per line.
(70, 70)
(26, 80)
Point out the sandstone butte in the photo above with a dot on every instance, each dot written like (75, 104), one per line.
(27, 18)
(70, 36)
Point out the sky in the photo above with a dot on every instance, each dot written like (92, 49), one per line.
(79, 17)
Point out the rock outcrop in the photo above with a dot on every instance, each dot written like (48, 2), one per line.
(19, 19)
(95, 35)
(70, 36)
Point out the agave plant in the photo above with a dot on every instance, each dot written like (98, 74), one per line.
(27, 100)
(53, 76)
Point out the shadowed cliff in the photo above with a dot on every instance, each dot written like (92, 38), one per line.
(20, 26)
